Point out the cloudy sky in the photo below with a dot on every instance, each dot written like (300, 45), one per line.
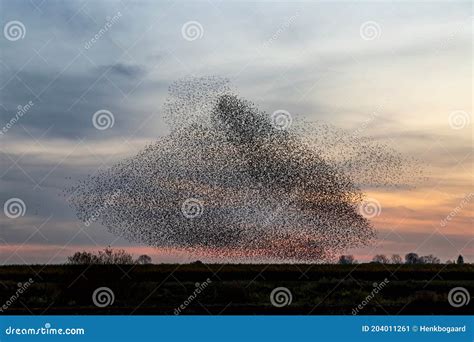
(339, 62)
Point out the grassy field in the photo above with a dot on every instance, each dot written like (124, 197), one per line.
(236, 289)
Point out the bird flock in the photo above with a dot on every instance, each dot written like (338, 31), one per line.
(231, 182)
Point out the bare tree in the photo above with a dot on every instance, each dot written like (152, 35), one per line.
(82, 258)
(107, 256)
(144, 260)
(429, 259)
(110, 256)
(381, 259)
(396, 259)
(347, 260)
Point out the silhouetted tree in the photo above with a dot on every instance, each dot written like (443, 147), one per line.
(82, 258)
(381, 259)
(144, 260)
(107, 256)
(347, 260)
(429, 259)
(396, 259)
(460, 260)
(412, 258)
(110, 256)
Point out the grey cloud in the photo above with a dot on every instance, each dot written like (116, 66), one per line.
(68, 105)
(123, 69)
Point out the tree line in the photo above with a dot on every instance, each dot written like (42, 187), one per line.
(410, 259)
(109, 256)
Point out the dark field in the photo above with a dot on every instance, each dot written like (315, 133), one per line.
(237, 289)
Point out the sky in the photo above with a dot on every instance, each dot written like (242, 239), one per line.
(400, 72)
